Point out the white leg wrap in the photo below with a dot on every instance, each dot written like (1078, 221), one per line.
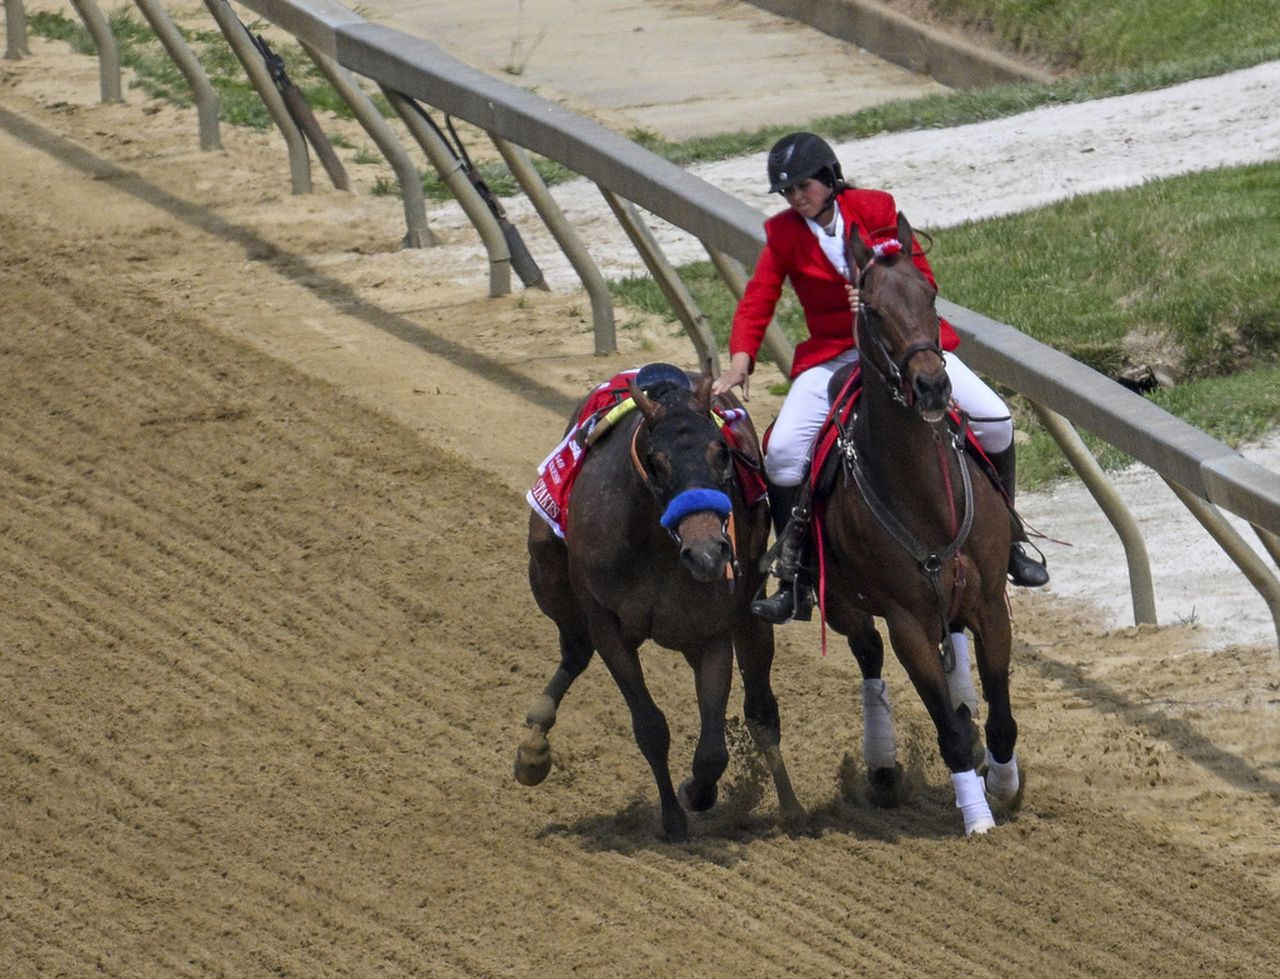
(1002, 780)
(960, 679)
(972, 802)
(879, 742)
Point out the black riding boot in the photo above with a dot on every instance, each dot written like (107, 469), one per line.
(1024, 570)
(789, 508)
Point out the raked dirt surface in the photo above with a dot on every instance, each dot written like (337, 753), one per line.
(267, 644)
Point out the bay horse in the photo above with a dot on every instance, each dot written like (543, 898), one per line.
(912, 531)
(659, 544)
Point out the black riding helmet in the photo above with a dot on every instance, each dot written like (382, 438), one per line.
(798, 156)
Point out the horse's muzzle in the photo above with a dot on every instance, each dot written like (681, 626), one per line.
(932, 395)
(704, 548)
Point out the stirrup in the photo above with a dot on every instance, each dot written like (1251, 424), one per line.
(1025, 571)
(784, 606)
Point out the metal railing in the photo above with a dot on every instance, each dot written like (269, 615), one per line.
(1205, 473)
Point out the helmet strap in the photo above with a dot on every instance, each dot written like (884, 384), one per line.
(828, 211)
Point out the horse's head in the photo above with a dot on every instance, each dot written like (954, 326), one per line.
(687, 466)
(898, 324)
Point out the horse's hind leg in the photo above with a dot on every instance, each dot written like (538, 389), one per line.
(533, 757)
(549, 581)
(879, 738)
(753, 644)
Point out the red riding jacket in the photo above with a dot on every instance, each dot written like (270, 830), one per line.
(791, 251)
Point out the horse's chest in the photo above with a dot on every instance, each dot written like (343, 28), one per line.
(674, 611)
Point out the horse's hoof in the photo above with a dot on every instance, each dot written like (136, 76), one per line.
(980, 827)
(533, 760)
(675, 826)
(691, 805)
(1014, 802)
(886, 787)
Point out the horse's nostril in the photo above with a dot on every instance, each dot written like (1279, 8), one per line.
(706, 559)
(932, 390)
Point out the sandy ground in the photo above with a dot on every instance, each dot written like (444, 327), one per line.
(267, 643)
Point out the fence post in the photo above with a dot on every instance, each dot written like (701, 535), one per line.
(1235, 547)
(418, 233)
(108, 50)
(517, 160)
(1135, 548)
(242, 45)
(672, 286)
(15, 29)
(450, 170)
(206, 98)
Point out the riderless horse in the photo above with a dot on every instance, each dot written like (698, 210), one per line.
(661, 544)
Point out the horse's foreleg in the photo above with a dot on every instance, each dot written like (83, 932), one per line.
(753, 644)
(879, 737)
(533, 756)
(960, 676)
(649, 726)
(960, 685)
(994, 642)
(713, 674)
(918, 653)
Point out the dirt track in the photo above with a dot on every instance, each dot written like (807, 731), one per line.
(267, 645)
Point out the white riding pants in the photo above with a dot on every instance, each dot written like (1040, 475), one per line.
(806, 407)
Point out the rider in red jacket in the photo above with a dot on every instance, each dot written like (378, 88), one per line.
(805, 245)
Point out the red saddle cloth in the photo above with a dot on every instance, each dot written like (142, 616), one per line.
(549, 495)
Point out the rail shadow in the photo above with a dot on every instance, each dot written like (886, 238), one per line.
(293, 267)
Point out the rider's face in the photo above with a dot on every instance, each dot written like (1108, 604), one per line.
(808, 198)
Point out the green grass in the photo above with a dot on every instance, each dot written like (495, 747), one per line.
(1193, 263)
(1194, 260)
(1095, 36)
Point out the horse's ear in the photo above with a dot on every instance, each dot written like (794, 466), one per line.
(648, 407)
(904, 232)
(856, 252)
(702, 395)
